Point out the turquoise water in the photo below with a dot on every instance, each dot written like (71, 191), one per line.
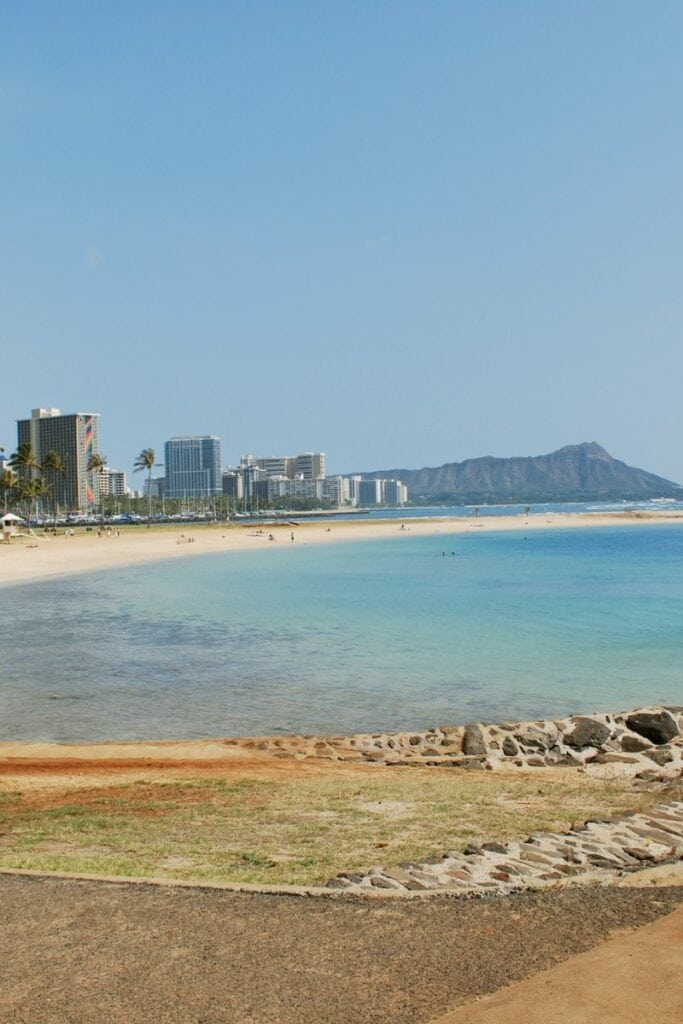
(391, 634)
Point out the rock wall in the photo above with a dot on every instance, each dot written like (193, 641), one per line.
(648, 740)
(599, 851)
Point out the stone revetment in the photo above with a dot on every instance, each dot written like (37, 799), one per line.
(648, 740)
(646, 744)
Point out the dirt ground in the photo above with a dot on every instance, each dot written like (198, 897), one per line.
(81, 952)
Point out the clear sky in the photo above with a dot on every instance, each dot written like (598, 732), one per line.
(405, 233)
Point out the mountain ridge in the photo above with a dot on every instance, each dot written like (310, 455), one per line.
(579, 472)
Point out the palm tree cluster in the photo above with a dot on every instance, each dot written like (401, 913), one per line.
(25, 480)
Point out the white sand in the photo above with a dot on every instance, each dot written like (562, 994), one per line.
(27, 559)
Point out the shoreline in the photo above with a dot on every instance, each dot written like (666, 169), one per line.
(609, 743)
(263, 797)
(313, 812)
(43, 557)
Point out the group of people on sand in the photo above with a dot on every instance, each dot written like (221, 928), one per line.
(271, 536)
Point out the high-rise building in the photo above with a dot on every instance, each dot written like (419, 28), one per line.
(74, 438)
(113, 481)
(275, 465)
(283, 487)
(311, 465)
(370, 492)
(337, 490)
(354, 489)
(193, 466)
(233, 485)
(154, 488)
(394, 493)
(307, 466)
(378, 492)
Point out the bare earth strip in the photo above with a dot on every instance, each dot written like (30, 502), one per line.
(28, 559)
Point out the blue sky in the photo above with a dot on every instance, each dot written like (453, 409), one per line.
(403, 233)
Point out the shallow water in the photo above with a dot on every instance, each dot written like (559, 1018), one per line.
(387, 634)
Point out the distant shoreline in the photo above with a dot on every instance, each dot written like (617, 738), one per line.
(41, 558)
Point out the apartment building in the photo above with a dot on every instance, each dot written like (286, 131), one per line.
(193, 466)
(74, 437)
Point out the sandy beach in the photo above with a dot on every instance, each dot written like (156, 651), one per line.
(40, 557)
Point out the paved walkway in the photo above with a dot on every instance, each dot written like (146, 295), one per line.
(78, 952)
(630, 979)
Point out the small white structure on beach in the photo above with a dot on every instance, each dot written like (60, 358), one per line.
(10, 525)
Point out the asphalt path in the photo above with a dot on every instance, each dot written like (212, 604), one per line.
(83, 952)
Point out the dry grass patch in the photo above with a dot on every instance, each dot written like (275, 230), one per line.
(294, 829)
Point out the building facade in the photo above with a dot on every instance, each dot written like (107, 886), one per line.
(283, 487)
(307, 466)
(337, 490)
(310, 465)
(75, 438)
(370, 492)
(233, 485)
(155, 488)
(394, 492)
(113, 482)
(193, 466)
(377, 492)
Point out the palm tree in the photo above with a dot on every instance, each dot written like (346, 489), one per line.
(97, 465)
(24, 462)
(55, 466)
(145, 460)
(30, 491)
(8, 482)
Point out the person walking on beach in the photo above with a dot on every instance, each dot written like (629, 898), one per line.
(292, 536)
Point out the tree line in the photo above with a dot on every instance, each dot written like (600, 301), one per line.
(25, 481)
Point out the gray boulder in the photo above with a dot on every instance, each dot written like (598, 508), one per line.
(587, 732)
(538, 738)
(657, 726)
(510, 748)
(660, 755)
(634, 744)
(473, 742)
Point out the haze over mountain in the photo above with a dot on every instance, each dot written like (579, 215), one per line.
(580, 472)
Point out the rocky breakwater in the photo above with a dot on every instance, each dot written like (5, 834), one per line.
(596, 851)
(647, 743)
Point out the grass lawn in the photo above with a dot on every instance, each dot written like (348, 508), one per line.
(298, 827)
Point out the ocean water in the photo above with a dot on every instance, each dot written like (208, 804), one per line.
(402, 633)
(547, 509)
